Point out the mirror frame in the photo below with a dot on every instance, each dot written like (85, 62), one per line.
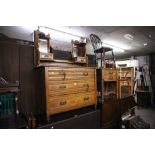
(40, 56)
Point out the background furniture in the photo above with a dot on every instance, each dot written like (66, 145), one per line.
(107, 97)
(104, 55)
(16, 64)
(125, 77)
(8, 100)
(106, 83)
(9, 112)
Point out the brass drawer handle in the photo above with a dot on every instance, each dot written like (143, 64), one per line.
(63, 103)
(85, 85)
(61, 73)
(62, 87)
(111, 77)
(85, 73)
(86, 98)
(64, 74)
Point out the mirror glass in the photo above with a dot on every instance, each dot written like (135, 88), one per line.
(43, 46)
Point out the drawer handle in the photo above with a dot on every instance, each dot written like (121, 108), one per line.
(62, 87)
(61, 73)
(85, 73)
(86, 98)
(64, 74)
(85, 85)
(63, 103)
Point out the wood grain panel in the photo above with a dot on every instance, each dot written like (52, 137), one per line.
(70, 87)
(27, 78)
(109, 75)
(9, 61)
(69, 74)
(65, 103)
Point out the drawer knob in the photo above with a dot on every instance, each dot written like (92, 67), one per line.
(86, 98)
(64, 74)
(85, 85)
(63, 103)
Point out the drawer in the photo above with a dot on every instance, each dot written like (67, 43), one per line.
(109, 75)
(83, 73)
(69, 74)
(70, 87)
(69, 102)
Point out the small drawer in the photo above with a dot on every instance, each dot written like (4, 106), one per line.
(109, 75)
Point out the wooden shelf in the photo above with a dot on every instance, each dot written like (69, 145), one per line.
(125, 76)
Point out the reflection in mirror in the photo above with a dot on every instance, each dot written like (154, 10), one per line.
(43, 46)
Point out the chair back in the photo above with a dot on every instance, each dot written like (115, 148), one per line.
(96, 41)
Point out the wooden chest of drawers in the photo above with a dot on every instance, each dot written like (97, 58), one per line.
(63, 89)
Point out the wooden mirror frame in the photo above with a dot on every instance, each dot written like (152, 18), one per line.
(75, 46)
(40, 56)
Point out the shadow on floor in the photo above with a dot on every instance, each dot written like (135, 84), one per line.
(147, 114)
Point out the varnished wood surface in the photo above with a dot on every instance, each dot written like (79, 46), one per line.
(9, 62)
(9, 88)
(109, 74)
(26, 73)
(16, 65)
(68, 88)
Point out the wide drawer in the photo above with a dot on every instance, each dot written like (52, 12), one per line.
(69, 102)
(70, 87)
(59, 74)
(109, 74)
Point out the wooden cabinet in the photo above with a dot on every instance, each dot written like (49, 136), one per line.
(109, 74)
(63, 89)
(125, 76)
(106, 83)
(107, 97)
(8, 105)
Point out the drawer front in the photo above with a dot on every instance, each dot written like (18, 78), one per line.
(69, 74)
(84, 73)
(70, 87)
(55, 74)
(69, 102)
(109, 75)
